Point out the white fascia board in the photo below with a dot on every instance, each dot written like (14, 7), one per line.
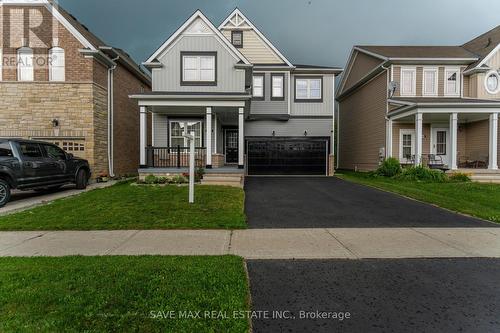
(373, 54)
(197, 14)
(485, 59)
(345, 74)
(237, 11)
(53, 10)
(203, 103)
(433, 59)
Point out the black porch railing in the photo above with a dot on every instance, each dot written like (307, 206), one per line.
(174, 157)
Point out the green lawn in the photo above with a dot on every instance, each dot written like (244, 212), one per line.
(121, 294)
(125, 206)
(480, 200)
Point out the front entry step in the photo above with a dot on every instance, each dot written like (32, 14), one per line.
(224, 179)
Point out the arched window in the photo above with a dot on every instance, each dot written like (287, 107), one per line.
(57, 64)
(25, 64)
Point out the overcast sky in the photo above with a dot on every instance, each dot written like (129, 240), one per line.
(319, 32)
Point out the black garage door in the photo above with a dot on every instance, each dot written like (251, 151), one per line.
(287, 157)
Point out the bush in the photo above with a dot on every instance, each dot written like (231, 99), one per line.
(421, 173)
(179, 179)
(459, 177)
(150, 179)
(162, 180)
(389, 168)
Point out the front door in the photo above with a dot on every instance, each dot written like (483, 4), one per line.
(231, 146)
(440, 144)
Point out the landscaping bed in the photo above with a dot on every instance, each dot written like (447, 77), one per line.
(118, 294)
(127, 207)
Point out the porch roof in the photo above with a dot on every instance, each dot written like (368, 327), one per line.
(179, 98)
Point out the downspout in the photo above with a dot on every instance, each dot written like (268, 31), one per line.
(111, 119)
(387, 111)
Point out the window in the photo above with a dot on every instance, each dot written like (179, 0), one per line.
(430, 81)
(277, 92)
(57, 64)
(5, 150)
(30, 149)
(25, 64)
(237, 38)
(492, 82)
(198, 68)
(452, 81)
(408, 81)
(441, 142)
(54, 152)
(258, 86)
(308, 89)
(406, 145)
(179, 127)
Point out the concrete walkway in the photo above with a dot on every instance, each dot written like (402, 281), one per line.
(262, 244)
(23, 200)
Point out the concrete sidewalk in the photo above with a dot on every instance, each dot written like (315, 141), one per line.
(262, 244)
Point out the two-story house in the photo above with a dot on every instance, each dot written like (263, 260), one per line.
(249, 107)
(422, 105)
(62, 84)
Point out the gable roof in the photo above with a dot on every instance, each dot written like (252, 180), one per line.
(197, 15)
(420, 52)
(246, 21)
(484, 46)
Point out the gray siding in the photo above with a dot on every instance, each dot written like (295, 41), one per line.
(292, 127)
(315, 109)
(168, 77)
(160, 130)
(268, 106)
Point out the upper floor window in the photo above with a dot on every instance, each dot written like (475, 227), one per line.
(57, 64)
(258, 86)
(237, 38)
(308, 89)
(492, 82)
(199, 68)
(430, 84)
(452, 81)
(25, 70)
(278, 82)
(408, 81)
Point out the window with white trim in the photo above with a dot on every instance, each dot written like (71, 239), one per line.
(25, 71)
(492, 82)
(430, 84)
(57, 64)
(278, 81)
(408, 81)
(406, 145)
(258, 86)
(452, 81)
(198, 68)
(178, 128)
(308, 89)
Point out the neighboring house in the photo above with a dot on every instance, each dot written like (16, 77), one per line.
(421, 104)
(60, 83)
(249, 107)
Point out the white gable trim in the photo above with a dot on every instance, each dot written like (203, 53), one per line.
(53, 10)
(268, 43)
(485, 59)
(197, 14)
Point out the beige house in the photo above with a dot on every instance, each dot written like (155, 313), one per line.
(435, 105)
(62, 84)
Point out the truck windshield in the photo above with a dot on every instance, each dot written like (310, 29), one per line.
(5, 150)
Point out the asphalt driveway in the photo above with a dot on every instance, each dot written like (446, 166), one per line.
(321, 202)
(411, 295)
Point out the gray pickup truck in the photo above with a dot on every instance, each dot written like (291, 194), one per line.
(39, 166)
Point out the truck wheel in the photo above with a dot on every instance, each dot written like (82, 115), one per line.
(81, 179)
(4, 192)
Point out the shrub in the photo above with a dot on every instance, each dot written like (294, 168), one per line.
(421, 173)
(459, 177)
(161, 180)
(179, 179)
(150, 179)
(389, 168)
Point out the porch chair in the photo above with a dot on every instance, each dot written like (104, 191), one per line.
(436, 162)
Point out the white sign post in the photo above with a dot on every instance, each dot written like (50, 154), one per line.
(191, 139)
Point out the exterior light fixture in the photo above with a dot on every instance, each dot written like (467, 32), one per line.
(55, 122)
(305, 133)
(274, 133)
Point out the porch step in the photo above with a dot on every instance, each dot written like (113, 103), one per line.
(486, 178)
(224, 179)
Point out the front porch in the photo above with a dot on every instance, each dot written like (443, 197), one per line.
(458, 139)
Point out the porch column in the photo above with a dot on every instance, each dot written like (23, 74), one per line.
(493, 142)
(418, 138)
(241, 138)
(209, 137)
(454, 141)
(143, 137)
(388, 144)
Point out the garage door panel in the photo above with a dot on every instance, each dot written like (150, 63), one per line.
(287, 157)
